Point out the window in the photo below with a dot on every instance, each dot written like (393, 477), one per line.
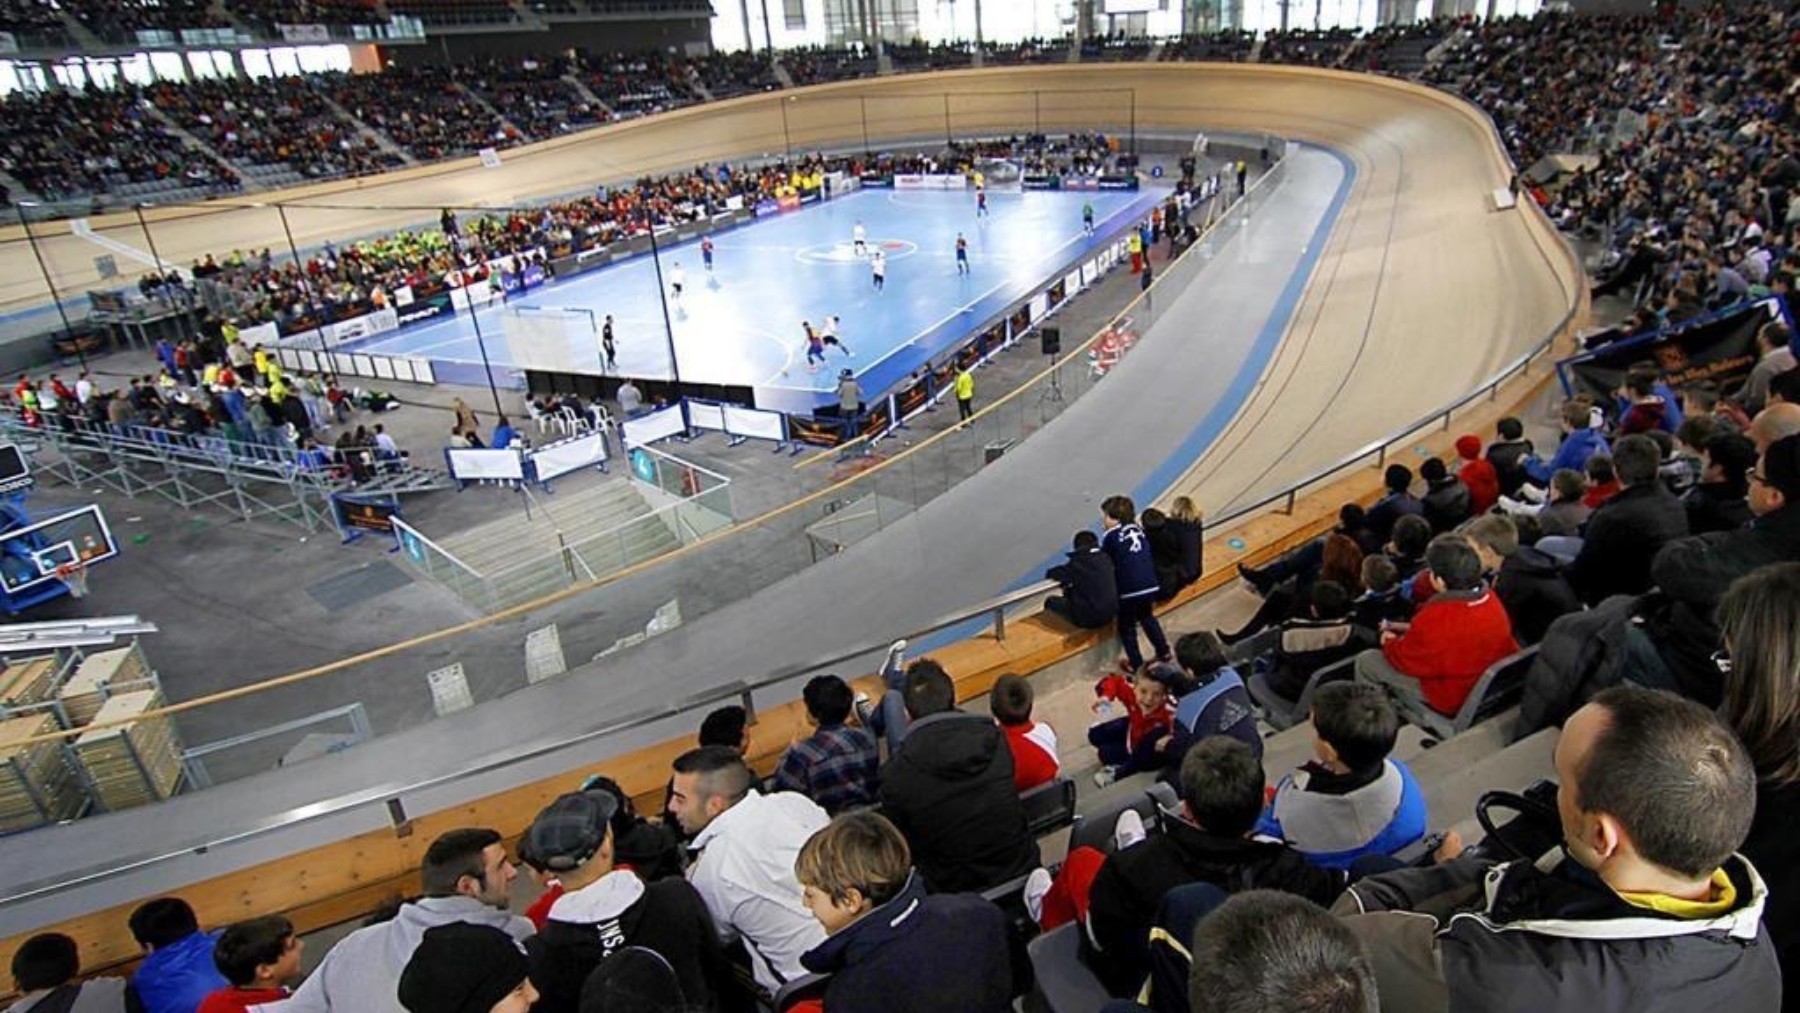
(794, 13)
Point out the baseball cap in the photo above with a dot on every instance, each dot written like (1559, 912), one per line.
(461, 968)
(569, 830)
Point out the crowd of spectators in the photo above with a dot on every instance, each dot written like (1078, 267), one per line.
(1116, 48)
(68, 144)
(32, 21)
(457, 12)
(1227, 46)
(1025, 52)
(1309, 48)
(265, 15)
(921, 55)
(820, 64)
(422, 109)
(533, 94)
(272, 121)
(638, 84)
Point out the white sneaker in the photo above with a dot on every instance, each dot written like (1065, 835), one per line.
(1105, 776)
(1037, 886)
(862, 707)
(1129, 830)
(896, 655)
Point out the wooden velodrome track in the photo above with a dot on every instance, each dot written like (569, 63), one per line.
(1421, 293)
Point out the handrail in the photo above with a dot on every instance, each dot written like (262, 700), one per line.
(439, 549)
(382, 794)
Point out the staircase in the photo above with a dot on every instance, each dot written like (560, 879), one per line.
(525, 559)
(472, 96)
(587, 94)
(382, 141)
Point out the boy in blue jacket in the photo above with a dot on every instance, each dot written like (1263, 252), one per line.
(1135, 572)
(1352, 801)
(1581, 424)
(890, 947)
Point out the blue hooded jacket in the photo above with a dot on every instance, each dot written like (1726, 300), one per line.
(1576, 448)
(174, 978)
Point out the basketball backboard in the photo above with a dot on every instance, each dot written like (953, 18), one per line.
(30, 555)
(15, 473)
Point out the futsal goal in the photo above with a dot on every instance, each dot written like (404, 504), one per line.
(1001, 176)
(553, 339)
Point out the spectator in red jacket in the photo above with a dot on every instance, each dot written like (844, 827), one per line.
(1436, 659)
(1478, 474)
(1033, 744)
(256, 956)
(1130, 744)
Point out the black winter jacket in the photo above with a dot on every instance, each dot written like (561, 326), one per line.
(1467, 938)
(1089, 588)
(1693, 574)
(1532, 588)
(919, 954)
(1446, 504)
(1622, 538)
(1508, 459)
(950, 791)
(1774, 848)
(1581, 654)
(621, 910)
(1131, 884)
(1715, 506)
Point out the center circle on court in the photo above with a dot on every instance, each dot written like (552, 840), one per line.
(844, 252)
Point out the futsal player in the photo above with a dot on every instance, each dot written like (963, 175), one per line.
(815, 347)
(878, 264)
(981, 209)
(677, 281)
(962, 254)
(829, 335)
(606, 345)
(859, 240)
(706, 253)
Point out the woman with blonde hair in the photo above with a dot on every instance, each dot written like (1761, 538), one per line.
(1759, 618)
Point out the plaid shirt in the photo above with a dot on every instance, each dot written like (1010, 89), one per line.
(834, 767)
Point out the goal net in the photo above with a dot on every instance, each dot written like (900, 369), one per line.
(1001, 176)
(553, 339)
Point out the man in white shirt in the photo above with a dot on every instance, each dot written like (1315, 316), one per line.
(746, 844)
(84, 389)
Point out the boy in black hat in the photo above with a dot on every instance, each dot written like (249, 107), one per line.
(605, 909)
(465, 968)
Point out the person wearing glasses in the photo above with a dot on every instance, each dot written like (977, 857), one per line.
(1693, 573)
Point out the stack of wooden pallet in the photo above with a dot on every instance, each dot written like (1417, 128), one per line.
(136, 762)
(36, 784)
(27, 681)
(85, 692)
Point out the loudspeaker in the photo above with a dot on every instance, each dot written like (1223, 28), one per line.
(1051, 339)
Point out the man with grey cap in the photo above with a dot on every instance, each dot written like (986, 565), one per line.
(466, 878)
(464, 968)
(1693, 573)
(604, 909)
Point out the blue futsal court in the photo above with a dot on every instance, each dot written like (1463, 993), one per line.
(741, 324)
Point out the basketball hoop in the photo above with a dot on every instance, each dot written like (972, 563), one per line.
(74, 577)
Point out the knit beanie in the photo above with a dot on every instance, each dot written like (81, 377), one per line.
(461, 968)
(1468, 447)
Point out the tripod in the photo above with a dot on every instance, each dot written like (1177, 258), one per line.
(1053, 393)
